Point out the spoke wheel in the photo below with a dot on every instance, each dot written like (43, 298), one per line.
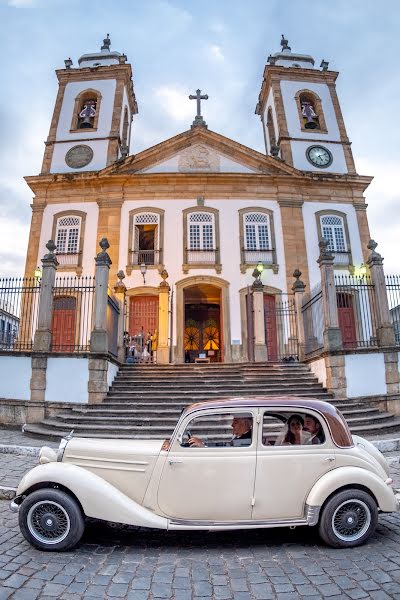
(48, 522)
(351, 520)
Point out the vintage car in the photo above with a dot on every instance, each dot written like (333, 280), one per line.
(238, 463)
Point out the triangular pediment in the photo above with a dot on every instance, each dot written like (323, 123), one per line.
(200, 150)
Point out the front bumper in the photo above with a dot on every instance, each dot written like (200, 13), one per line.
(14, 504)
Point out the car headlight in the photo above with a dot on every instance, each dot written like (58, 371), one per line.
(47, 455)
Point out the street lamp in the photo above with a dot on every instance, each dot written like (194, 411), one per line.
(38, 273)
(257, 274)
(143, 269)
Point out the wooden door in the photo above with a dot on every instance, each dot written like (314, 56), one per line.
(63, 324)
(347, 323)
(143, 314)
(270, 327)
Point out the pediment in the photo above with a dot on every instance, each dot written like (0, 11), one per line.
(200, 150)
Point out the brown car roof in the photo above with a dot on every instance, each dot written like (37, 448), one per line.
(337, 424)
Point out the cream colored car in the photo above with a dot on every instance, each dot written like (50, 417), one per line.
(240, 463)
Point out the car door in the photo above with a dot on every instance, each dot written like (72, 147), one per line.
(213, 482)
(285, 472)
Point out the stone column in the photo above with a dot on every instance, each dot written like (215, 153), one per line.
(298, 290)
(332, 333)
(384, 327)
(42, 338)
(120, 291)
(260, 347)
(163, 321)
(99, 336)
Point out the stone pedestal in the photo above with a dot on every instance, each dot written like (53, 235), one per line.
(163, 324)
(42, 338)
(38, 378)
(298, 291)
(260, 348)
(384, 329)
(97, 384)
(120, 291)
(332, 333)
(99, 335)
(336, 376)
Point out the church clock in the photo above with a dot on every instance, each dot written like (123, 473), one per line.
(319, 156)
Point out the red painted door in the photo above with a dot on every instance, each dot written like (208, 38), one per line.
(63, 324)
(143, 313)
(347, 323)
(270, 327)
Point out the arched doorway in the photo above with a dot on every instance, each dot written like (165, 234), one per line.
(202, 320)
(202, 336)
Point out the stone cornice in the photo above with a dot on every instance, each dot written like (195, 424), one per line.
(277, 74)
(285, 202)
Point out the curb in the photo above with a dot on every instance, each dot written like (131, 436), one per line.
(387, 445)
(7, 493)
(20, 450)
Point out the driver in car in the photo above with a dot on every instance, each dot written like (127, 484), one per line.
(241, 429)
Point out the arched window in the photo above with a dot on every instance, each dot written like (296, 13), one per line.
(68, 234)
(86, 110)
(332, 226)
(257, 238)
(201, 239)
(145, 238)
(311, 115)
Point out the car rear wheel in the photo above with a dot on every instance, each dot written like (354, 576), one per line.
(51, 520)
(348, 519)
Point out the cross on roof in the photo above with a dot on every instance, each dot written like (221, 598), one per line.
(199, 121)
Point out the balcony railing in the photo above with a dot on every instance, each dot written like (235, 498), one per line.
(67, 259)
(148, 257)
(255, 256)
(202, 256)
(342, 259)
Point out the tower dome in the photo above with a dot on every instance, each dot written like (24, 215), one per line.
(103, 58)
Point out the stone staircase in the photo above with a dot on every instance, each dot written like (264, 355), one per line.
(145, 401)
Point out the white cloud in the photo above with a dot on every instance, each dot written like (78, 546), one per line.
(175, 102)
(216, 52)
(22, 3)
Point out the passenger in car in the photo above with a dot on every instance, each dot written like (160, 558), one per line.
(242, 433)
(313, 426)
(294, 434)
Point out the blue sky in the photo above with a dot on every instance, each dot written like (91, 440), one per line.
(220, 46)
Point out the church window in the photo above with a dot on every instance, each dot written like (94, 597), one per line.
(68, 234)
(257, 238)
(333, 227)
(310, 110)
(145, 239)
(67, 240)
(201, 238)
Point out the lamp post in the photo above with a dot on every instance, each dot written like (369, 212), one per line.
(143, 269)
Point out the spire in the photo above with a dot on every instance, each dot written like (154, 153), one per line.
(106, 43)
(285, 44)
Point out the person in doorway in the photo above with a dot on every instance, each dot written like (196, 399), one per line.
(313, 426)
(241, 429)
(149, 340)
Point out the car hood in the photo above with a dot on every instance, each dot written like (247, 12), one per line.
(109, 449)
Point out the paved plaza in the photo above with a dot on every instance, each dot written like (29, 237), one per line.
(138, 564)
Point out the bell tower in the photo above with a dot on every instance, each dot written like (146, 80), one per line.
(91, 124)
(301, 116)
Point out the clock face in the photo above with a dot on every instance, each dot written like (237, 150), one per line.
(319, 156)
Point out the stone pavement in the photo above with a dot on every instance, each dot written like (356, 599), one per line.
(138, 564)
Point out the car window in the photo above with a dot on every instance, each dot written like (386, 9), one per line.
(291, 428)
(219, 430)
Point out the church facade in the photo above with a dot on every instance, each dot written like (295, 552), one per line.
(212, 213)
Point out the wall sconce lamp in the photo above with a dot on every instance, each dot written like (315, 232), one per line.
(143, 270)
(257, 275)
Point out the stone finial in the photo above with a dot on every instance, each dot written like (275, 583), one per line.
(122, 59)
(120, 287)
(325, 255)
(164, 275)
(68, 63)
(51, 246)
(374, 258)
(275, 150)
(50, 259)
(285, 43)
(324, 65)
(271, 60)
(106, 43)
(103, 258)
(298, 286)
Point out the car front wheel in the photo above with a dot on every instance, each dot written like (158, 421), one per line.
(51, 520)
(348, 519)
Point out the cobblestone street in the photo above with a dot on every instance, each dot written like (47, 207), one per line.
(123, 562)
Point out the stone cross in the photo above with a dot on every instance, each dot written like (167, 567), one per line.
(198, 119)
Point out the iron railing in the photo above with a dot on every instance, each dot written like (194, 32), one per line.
(73, 299)
(112, 324)
(147, 257)
(66, 259)
(19, 306)
(313, 321)
(356, 311)
(202, 256)
(342, 259)
(250, 257)
(393, 293)
(281, 326)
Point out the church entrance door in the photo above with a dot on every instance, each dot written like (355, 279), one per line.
(202, 338)
(143, 315)
(347, 323)
(63, 324)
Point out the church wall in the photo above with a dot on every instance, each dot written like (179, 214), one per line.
(99, 147)
(310, 226)
(90, 244)
(300, 160)
(289, 91)
(15, 377)
(365, 375)
(270, 104)
(60, 369)
(107, 91)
